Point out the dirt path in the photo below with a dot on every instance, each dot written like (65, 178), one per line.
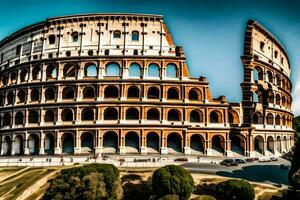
(11, 175)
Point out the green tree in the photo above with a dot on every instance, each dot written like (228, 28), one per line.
(295, 166)
(173, 180)
(235, 189)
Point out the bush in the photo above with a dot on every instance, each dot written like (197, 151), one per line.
(295, 166)
(169, 197)
(235, 189)
(94, 181)
(204, 197)
(173, 180)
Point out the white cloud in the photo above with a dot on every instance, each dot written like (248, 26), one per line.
(296, 99)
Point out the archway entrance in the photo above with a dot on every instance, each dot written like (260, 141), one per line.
(278, 143)
(270, 144)
(7, 146)
(152, 143)
(174, 143)
(49, 144)
(259, 144)
(33, 144)
(197, 144)
(19, 145)
(238, 145)
(87, 143)
(110, 142)
(68, 144)
(218, 145)
(132, 142)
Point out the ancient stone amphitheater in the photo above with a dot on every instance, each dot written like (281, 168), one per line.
(116, 83)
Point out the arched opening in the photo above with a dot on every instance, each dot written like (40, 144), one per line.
(195, 116)
(132, 143)
(21, 96)
(10, 98)
(277, 120)
(215, 117)
(153, 70)
(135, 70)
(197, 144)
(238, 144)
(218, 144)
(51, 39)
(194, 95)
(50, 94)
(153, 93)
(74, 36)
(283, 120)
(19, 145)
(33, 117)
(283, 103)
(135, 36)
(233, 117)
(24, 75)
(88, 92)
(258, 74)
(4, 80)
(51, 72)
(6, 119)
(257, 118)
(110, 142)
(112, 69)
(68, 93)
(132, 114)
(19, 118)
(49, 116)
(278, 81)
(270, 76)
(278, 144)
(111, 92)
(174, 115)
(271, 97)
(284, 145)
(67, 143)
(133, 92)
(69, 70)
(13, 78)
(152, 142)
(33, 144)
(87, 114)
(277, 99)
(260, 97)
(1, 100)
(153, 114)
(111, 114)
(49, 144)
(36, 73)
(171, 71)
(174, 143)
(283, 83)
(173, 93)
(270, 119)
(270, 144)
(90, 70)
(67, 115)
(35, 95)
(87, 143)
(259, 144)
(117, 34)
(7, 146)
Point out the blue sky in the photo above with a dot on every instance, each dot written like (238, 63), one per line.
(210, 31)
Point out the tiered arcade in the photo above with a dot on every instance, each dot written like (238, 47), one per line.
(116, 83)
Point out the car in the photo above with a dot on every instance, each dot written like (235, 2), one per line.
(240, 161)
(264, 159)
(181, 159)
(251, 159)
(229, 162)
(274, 159)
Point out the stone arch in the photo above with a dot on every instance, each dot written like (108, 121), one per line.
(258, 118)
(278, 101)
(233, 117)
(132, 114)
(174, 142)
(197, 144)
(153, 142)
(153, 70)
(173, 93)
(277, 120)
(174, 115)
(67, 115)
(6, 119)
(258, 73)
(68, 143)
(215, 116)
(153, 114)
(133, 92)
(277, 79)
(171, 70)
(49, 116)
(270, 144)
(33, 144)
(134, 70)
(132, 142)
(24, 75)
(13, 77)
(49, 144)
(10, 98)
(111, 114)
(33, 117)
(218, 144)
(50, 93)
(90, 70)
(111, 91)
(87, 114)
(238, 144)
(112, 69)
(271, 97)
(7, 146)
(270, 76)
(88, 92)
(87, 143)
(196, 116)
(68, 92)
(283, 101)
(110, 142)
(153, 92)
(19, 118)
(278, 144)
(36, 73)
(270, 119)
(19, 145)
(51, 71)
(194, 94)
(35, 95)
(70, 70)
(259, 144)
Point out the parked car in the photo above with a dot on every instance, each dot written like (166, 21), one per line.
(229, 162)
(181, 159)
(251, 159)
(240, 161)
(263, 159)
(274, 159)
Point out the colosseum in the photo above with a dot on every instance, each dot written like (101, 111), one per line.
(117, 84)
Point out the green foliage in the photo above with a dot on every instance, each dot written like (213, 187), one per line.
(94, 181)
(173, 179)
(296, 124)
(295, 167)
(235, 189)
(204, 197)
(169, 197)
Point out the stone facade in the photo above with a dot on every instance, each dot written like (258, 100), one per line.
(116, 83)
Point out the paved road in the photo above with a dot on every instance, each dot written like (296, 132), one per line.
(256, 171)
